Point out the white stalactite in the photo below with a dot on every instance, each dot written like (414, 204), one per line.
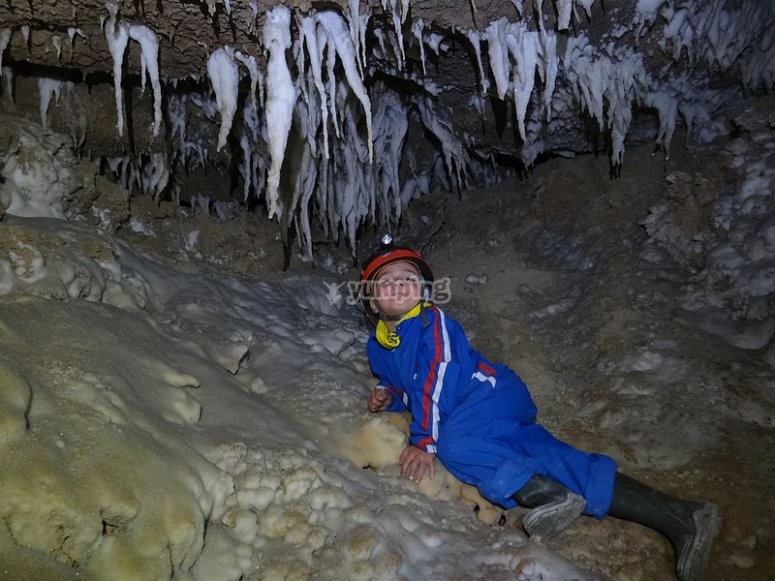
(357, 31)
(5, 38)
(280, 98)
(48, 89)
(474, 37)
(566, 7)
(330, 64)
(390, 127)
(517, 54)
(363, 29)
(224, 77)
(499, 58)
(154, 175)
(56, 40)
(587, 6)
(607, 88)
(721, 36)
(72, 33)
(149, 63)
(339, 39)
(417, 28)
(250, 157)
(117, 35)
(646, 13)
(308, 187)
(666, 104)
(398, 19)
(354, 186)
(523, 46)
(309, 34)
(550, 69)
(456, 158)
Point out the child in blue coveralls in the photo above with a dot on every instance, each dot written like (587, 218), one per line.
(478, 418)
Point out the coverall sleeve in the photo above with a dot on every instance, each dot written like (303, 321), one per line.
(397, 396)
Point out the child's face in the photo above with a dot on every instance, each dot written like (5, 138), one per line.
(397, 289)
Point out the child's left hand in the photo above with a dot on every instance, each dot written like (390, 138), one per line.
(379, 400)
(415, 462)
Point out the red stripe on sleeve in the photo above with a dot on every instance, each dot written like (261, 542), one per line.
(486, 368)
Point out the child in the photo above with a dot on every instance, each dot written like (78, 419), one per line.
(478, 418)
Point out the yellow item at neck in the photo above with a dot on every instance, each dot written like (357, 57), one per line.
(390, 339)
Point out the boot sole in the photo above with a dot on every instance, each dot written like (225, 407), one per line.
(549, 520)
(695, 552)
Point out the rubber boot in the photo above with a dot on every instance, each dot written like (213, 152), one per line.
(690, 526)
(554, 507)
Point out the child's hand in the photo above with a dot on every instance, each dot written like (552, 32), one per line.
(379, 399)
(415, 462)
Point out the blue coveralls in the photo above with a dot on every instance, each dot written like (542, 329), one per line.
(478, 417)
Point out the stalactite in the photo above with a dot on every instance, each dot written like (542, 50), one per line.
(56, 40)
(224, 77)
(117, 35)
(48, 89)
(5, 38)
(281, 97)
(72, 32)
(339, 40)
(310, 38)
(417, 29)
(149, 63)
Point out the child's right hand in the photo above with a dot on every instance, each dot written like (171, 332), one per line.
(379, 399)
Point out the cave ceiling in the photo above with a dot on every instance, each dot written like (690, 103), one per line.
(486, 87)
